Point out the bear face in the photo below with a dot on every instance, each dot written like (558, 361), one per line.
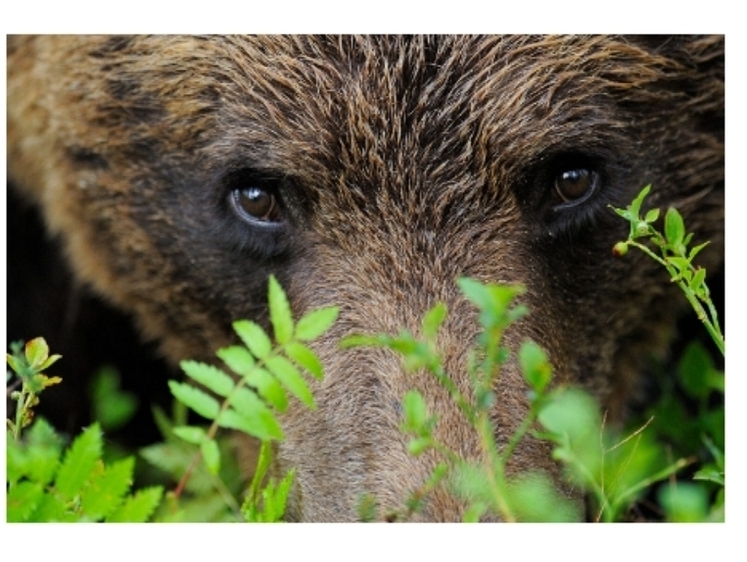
(370, 173)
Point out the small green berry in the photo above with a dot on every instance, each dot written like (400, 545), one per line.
(620, 249)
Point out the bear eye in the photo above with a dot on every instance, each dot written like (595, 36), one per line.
(257, 204)
(576, 185)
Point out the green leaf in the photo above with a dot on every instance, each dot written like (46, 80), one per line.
(208, 376)
(211, 455)
(367, 508)
(196, 399)
(682, 265)
(238, 359)
(17, 462)
(168, 457)
(415, 410)
(280, 313)
(44, 447)
(104, 493)
(471, 482)
(15, 363)
(684, 502)
(174, 458)
(534, 498)
(246, 402)
(51, 360)
(433, 319)
(259, 423)
(275, 498)
(112, 407)
(635, 206)
(573, 419)
(268, 387)
(52, 509)
(264, 461)
(694, 371)
(493, 301)
(305, 358)
(716, 452)
(535, 366)
(165, 424)
(191, 434)
(79, 462)
(698, 278)
(474, 512)
(138, 508)
(22, 499)
(362, 340)
(201, 509)
(405, 344)
(316, 323)
(291, 379)
(571, 411)
(696, 250)
(674, 228)
(254, 338)
(716, 380)
(710, 474)
(418, 445)
(713, 423)
(517, 312)
(630, 465)
(36, 352)
(476, 292)
(652, 215)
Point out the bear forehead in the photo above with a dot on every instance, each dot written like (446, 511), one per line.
(378, 107)
(383, 106)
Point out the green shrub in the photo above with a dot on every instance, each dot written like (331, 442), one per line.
(48, 482)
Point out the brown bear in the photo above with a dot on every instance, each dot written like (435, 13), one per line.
(371, 173)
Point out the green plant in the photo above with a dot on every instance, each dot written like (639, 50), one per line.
(252, 401)
(112, 407)
(701, 435)
(42, 486)
(28, 364)
(206, 497)
(675, 257)
(266, 504)
(613, 469)
(47, 483)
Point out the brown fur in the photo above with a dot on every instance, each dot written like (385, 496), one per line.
(402, 164)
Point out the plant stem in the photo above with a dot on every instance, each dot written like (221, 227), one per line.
(24, 399)
(263, 463)
(709, 321)
(187, 474)
(494, 467)
(661, 475)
